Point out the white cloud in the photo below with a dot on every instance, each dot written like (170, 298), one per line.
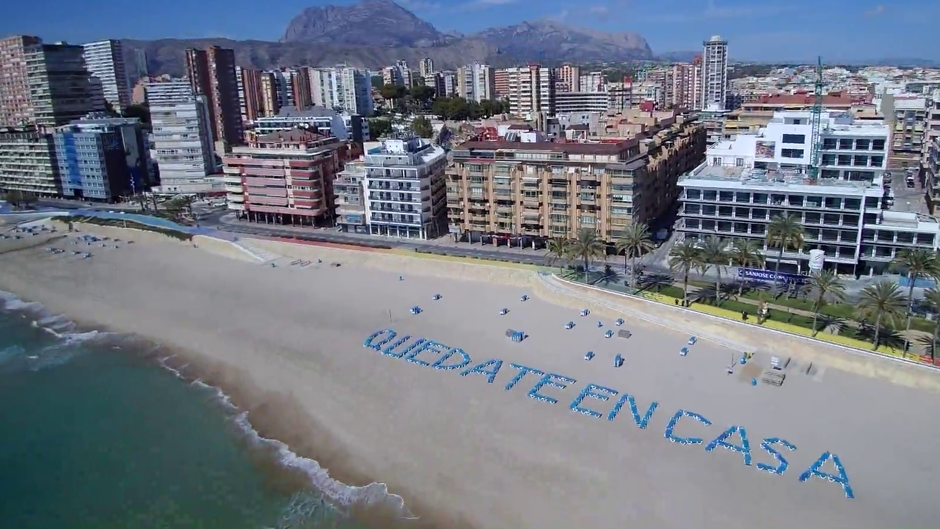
(599, 10)
(713, 11)
(482, 4)
(559, 17)
(879, 9)
(418, 5)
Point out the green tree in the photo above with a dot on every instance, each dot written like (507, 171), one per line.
(14, 197)
(587, 246)
(916, 264)
(424, 95)
(683, 257)
(559, 251)
(635, 242)
(392, 92)
(377, 82)
(783, 233)
(714, 253)
(746, 253)
(825, 287)
(379, 128)
(141, 112)
(422, 127)
(882, 301)
(932, 300)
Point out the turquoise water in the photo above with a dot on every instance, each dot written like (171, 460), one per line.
(94, 433)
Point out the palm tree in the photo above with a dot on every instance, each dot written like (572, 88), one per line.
(587, 246)
(882, 301)
(635, 242)
(746, 253)
(682, 258)
(932, 300)
(825, 287)
(916, 264)
(784, 233)
(714, 253)
(559, 251)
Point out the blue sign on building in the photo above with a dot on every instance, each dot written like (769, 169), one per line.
(760, 274)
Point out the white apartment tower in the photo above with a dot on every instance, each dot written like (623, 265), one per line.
(182, 137)
(531, 90)
(105, 61)
(342, 88)
(427, 67)
(715, 73)
(476, 82)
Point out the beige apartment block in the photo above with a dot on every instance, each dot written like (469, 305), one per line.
(543, 189)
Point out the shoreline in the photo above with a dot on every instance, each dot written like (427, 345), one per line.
(287, 345)
(273, 420)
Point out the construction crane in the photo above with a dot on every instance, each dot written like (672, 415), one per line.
(816, 122)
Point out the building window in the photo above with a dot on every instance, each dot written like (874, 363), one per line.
(878, 145)
(716, 161)
(829, 143)
(791, 153)
(845, 144)
(862, 145)
(794, 138)
(739, 162)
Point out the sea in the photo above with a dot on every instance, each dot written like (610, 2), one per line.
(97, 430)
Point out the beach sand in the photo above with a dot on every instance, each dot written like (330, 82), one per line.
(287, 343)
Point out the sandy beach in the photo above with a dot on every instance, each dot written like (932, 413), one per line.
(287, 343)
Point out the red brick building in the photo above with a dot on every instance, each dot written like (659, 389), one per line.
(286, 177)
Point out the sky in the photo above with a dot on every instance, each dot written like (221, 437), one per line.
(765, 30)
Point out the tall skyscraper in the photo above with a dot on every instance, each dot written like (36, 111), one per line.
(342, 88)
(105, 61)
(427, 67)
(15, 108)
(300, 83)
(212, 74)
(270, 102)
(476, 82)
(182, 137)
(715, 73)
(251, 91)
(60, 89)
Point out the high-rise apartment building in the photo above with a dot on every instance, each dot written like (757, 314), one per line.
(15, 107)
(404, 189)
(300, 84)
(270, 102)
(476, 82)
(27, 162)
(251, 94)
(342, 88)
(593, 82)
(906, 114)
(531, 89)
(211, 73)
(182, 138)
(135, 61)
(501, 82)
(285, 177)
(715, 73)
(104, 60)
(426, 67)
(450, 84)
(102, 158)
(60, 90)
(568, 78)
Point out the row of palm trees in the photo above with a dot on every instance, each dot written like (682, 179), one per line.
(880, 303)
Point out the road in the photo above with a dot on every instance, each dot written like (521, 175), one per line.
(223, 220)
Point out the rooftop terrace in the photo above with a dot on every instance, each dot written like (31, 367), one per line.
(742, 177)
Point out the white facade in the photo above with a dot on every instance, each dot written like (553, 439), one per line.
(405, 190)
(476, 82)
(342, 88)
(182, 138)
(714, 73)
(531, 90)
(746, 182)
(323, 120)
(105, 61)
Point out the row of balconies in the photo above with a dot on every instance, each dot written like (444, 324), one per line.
(841, 220)
(842, 204)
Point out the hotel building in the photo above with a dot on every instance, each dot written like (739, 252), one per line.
(211, 74)
(714, 73)
(324, 121)
(285, 177)
(102, 158)
(60, 90)
(537, 190)
(746, 182)
(404, 189)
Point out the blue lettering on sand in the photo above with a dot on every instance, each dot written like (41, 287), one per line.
(385, 342)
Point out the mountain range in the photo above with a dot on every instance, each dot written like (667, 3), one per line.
(377, 33)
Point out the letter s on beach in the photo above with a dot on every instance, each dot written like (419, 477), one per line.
(372, 341)
(782, 464)
(595, 392)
